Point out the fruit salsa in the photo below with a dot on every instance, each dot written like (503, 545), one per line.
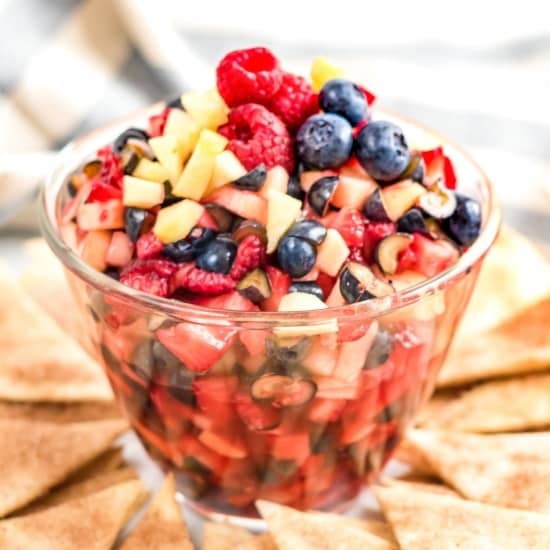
(269, 193)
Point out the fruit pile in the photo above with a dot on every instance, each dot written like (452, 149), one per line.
(269, 193)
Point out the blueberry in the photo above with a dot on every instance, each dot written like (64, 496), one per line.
(412, 222)
(310, 287)
(217, 256)
(200, 237)
(324, 141)
(294, 188)
(133, 222)
(129, 133)
(179, 251)
(343, 97)
(380, 350)
(310, 230)
(253, 180)
(296, 256)
(382, 150)
(465, 223)
(113, 273)
(175, 103)
(321, 193)
(375, 209)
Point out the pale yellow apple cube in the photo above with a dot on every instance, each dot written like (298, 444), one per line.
(168, 150)
(176, 221)
(332, 253)
(140, 193)
(207, 108)
(227, 168)
(183, 126)
(323, 70)
(151, 170)
(282, 211)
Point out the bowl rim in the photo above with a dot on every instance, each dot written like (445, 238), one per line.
(371, 308)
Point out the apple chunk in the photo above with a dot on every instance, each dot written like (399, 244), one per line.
(176, 221)
(400, 197)
(140, 193)
(282, 211)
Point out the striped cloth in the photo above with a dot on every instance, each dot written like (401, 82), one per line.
(478, 73)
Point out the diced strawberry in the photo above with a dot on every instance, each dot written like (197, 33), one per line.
(158, 122)
(351, 225)
(101, 215)
(189, 446)
(369, 96)
(101, 192)
(288, 493)
(215, 389)
(374, 233)
(247, 204)
(352, 355)
(229, 445)
(229, 300)
(329, 387)
(326, 282)
(439, 167)
(120, 251)
(427, 256)
(253, 340)
(155, 440)
(293, 446)
(257, 417)
(197, 346)
(407, 260)
(326, 410)
(207, 222)
(322, 355)
(358, 418)
(280, 283)
(318, 477)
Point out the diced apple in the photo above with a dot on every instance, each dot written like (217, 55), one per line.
(176, 221)
(323, 70)
(227, 168)
(184, 127)
(247, 204)
(352, 192)
(282, 211)
(207, 108)
(151, 170)
(400, 197)
(276, 179)
(321, 357)
(101, 215)
(196, 175)
(332, 253)
(141, 193)
(307, 179)
(169, 152)
(94, 250)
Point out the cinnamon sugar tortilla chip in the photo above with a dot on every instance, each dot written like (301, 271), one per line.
(294, 530)
(38, 361)
(91, 522)
(224, 536)
(162, 526)
(421, 485)
(511, 470)
(426, 521)
(515, 404)
(520, 345)
(107, 461)
(409, 455)
(35, 457)
(59, 412)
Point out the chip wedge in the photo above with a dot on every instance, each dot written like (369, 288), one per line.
(61, 413)
(224, 536)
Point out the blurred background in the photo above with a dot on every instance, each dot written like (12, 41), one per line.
(479, 72)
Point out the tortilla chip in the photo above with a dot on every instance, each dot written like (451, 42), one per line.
(59, 412)
(44, 280)
(39, 456)
(409, 455)
(91, 522)
(515, 404)
(39, 361)
(426, 521)
(79, 490)
(108, 461)
(518, 346)
(162, 526)
(225, 536)
(505, 286)
(421, 485)
(509, 470)
(294, 530)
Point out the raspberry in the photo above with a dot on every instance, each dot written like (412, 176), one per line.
(257, 136)
(148, 246)
(158, 122)
(111, 172)
(190, 277)
(356, 254)
(250, 255)
(374, 232)
(151, 276)
(251, 75)
(102, 192)
(294, 102)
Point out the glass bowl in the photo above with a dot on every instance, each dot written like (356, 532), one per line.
(300, 408)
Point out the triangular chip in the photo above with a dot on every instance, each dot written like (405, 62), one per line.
(421, 485)
(514, 275)
(510, 405)
(162, 526)
(79, 490)
(59, 412)
(409, 455)
(294, 530)
(35, 457)
(39, 362)
(108, 461)
(224, 536)
(511, 470)
(518, 346)
(426, 521)
(91, 522)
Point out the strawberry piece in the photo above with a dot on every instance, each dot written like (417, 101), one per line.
(101, 191)
(246, 204)
(230, 300)
(198, 347)
(326, 282)
(351, 225)
(369, 96)
(257, 417)
(439, 167)
(374, 232)
(157, 123)
(148, 246)
(326, 410)
(250, 255)
(293, 446)
(229, 445)
(280, 283)
(427, 256)
(111, 171)
(189, 446)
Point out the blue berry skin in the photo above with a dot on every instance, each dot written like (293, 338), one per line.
(253, 180)
(296, 256)
(179, 251)
(374, 208)
(465, 223)
(310, 287)
(133, 222)
(129, 133)
(200, 237)
(382, 150)
(412, 222)
(310, 230)
(324, 141)
(343, 97)
(321, 193)
(217, 256)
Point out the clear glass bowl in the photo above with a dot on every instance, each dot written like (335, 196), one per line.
(348, 380)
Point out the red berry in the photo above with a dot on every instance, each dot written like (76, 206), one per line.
(148, 246)
(157, 123)
(111, 171)
(369, 96)
(151, 276)
(407, 260)
(356, 254)
(103, 192)
(294, 102)
(351, 225)
(250, 255)
(250, 75)
(374, 232)
(257, 136)
(280, 283)
(190, 277)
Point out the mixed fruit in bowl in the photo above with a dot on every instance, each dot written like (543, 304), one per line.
(270, 193)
